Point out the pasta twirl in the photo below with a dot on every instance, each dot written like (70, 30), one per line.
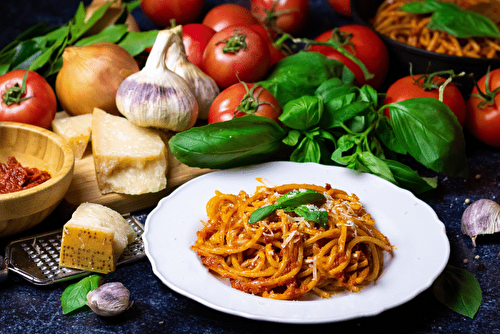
(412, 29)
(284, 256)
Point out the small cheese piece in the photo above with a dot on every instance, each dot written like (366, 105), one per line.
(75, 129)
(128, 159)
(94, 238)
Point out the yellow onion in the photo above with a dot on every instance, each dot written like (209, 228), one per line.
(91, 75)
(112, 14)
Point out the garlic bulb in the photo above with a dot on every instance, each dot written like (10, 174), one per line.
(205, 88)
(109, 299)
(91, 75)
(156, 96)
(481, 217)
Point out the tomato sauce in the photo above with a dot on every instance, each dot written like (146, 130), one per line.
(15, 177)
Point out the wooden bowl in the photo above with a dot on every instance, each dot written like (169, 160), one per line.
(33, 146)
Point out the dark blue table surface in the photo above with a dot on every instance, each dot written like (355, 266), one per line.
(26, 308)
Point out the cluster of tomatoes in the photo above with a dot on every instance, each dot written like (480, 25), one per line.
(237, 47)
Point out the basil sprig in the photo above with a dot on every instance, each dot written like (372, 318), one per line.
(451, 18)
(327, 119)
(296, 201)
(75, 295)
(40, 48)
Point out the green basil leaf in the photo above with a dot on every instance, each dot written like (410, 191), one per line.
(111, 34)
(337, 117)
(453, 19)
(80, 26)
(299, 197)
(136, 42)
(290, 200)
(431, 134)
(459, 290)
(301, 74)
(344, 144)
(292, 138)
(238, 142)
(300, 152)
(313, 213)
(262, 212)
(302, 113)
(75, 295)
(376, 166)
(409, 179)
(386, 135)
(368, 94)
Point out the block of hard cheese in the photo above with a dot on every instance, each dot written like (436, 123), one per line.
(75, 129)
(128, 159)
(94, 238)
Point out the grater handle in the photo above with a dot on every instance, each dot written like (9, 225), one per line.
(3, 269)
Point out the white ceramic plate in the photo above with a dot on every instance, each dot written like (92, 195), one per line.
(421, 246)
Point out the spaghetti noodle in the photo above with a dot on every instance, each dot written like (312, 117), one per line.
(412, 29)
(284, 256)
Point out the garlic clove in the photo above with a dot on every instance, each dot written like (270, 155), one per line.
(205, 88)
(481, 217)
(109, 299)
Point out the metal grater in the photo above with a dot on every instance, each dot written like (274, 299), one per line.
(36, 258)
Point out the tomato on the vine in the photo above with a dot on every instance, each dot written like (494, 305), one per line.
(289, 16)
(195, 37)
(426, 85)
(27, 98)
(483, 109)
(243, 99)
(161, 12)
(365, 45)
(274, 53)
(234, 54)
(228, 14)
(343, 7)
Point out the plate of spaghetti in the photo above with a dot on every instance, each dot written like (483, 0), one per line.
(295, 243)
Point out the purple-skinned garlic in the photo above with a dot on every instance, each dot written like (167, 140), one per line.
(481, 217)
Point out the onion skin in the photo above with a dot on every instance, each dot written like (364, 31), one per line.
(481, 217)
(91, 75)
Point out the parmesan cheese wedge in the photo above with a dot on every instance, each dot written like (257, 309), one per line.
(128, 159)
(75, 129)
(94, 238)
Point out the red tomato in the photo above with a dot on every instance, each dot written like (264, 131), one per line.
(234, 54)
(343, 7)
(406, 88)
(162, 11)
(37, 105)
(275, 54)
(195, 37)
(289, 16)
(366, 46)
(228, 14)
(243, 99)
(483, 121)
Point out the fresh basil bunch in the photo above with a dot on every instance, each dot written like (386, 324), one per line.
(331, 121)
(40, 48)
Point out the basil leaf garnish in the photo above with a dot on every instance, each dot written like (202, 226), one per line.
(291, 200)
(453, 19)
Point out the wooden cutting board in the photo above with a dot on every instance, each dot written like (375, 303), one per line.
(84, 188)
